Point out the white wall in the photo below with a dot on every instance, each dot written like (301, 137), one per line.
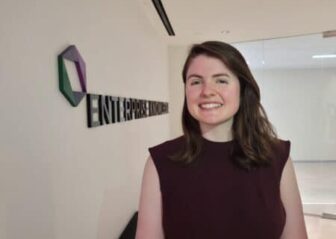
(300, 103)
(58, 178)
(177, 56)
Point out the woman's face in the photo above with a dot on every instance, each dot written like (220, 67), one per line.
(212, 92)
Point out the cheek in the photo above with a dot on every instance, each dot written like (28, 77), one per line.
(191, 100)
(233, 96)
(236, 98)
(191, 95)
(187, 98)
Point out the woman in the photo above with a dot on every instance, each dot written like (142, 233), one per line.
(228, 176)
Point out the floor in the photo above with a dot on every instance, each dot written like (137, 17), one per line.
(317, 184)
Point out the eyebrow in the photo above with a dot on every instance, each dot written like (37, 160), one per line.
(221, 74)
(215, 75)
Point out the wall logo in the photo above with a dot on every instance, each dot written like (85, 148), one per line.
(71, 54)
(102, 109)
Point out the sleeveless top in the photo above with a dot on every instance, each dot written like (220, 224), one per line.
(214, 198)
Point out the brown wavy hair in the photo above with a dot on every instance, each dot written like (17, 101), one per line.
(253, 134)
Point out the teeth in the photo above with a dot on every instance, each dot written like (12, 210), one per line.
(210, 105)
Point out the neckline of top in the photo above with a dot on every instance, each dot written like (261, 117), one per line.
(219, 143)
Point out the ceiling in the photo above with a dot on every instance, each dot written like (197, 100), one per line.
(290, 52)
(269, 33)
(241, 20)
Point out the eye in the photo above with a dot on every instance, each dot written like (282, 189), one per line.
(195, 81)
(222, 81)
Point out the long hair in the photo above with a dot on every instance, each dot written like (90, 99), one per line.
(253, 134)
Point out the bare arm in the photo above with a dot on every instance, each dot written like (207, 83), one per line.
(150, 215)
(295, 226)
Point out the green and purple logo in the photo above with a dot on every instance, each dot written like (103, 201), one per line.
(74, 97)
(102, 109)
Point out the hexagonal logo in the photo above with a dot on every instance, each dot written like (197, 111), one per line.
(72, 54)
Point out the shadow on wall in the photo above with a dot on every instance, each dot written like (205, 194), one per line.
(130, 229)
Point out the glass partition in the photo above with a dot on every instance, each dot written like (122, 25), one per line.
(297, 78)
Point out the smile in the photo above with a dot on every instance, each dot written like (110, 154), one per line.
(210, 106)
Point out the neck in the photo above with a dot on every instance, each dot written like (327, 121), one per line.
(219, 133)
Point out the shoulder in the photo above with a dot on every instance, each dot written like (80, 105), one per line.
(281, 153)
(161, 153)
(171, 142)
(282, 148)
(169, 146)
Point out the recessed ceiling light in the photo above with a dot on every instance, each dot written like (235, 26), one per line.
(324, 56)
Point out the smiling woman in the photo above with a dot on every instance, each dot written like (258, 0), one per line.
(228, 175)
(212, 93)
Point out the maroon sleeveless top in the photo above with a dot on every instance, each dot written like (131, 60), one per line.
(215, 199)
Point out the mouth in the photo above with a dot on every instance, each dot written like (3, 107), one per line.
(209, 106)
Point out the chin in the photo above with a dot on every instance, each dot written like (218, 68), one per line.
(214, 122)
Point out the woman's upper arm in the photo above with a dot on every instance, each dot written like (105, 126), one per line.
(295, 226)
(150, 206)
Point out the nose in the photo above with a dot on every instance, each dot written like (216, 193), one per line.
(207, 90)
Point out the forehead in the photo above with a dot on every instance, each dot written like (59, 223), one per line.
(203, 64)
